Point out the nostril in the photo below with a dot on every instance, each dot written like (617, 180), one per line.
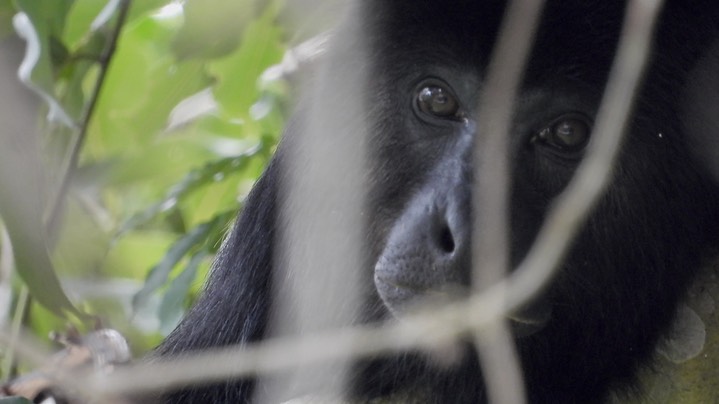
(446, 240)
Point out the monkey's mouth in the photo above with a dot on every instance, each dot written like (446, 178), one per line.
(531, 318)
(403, 298)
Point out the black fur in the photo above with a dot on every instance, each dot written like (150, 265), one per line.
(618, 288)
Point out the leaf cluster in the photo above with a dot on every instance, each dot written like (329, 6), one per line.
(154, 126)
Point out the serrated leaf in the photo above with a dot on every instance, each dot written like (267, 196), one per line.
(171, 307)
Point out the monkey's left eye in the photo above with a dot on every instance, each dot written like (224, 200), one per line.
(438, 101)
(569, 134)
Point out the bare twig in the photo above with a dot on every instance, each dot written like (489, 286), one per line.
(24, 346)
(318, 242)
(496, 348)
(70, 163)
(8, 360)
(593, 175)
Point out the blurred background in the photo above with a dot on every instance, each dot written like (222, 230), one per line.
(131, 132)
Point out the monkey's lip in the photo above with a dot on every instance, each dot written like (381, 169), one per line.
(402, 298)
(530, 318)
(418, 289)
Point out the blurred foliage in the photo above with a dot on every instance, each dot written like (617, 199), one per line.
(15, 400)
(165, 152)
(159, 160)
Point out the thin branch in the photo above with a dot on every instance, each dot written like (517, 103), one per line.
(497, 353)
(71, 162)
(9, 362)
(36, 355)
(24, 346)
(593, 175)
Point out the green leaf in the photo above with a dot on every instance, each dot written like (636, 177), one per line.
(80, 19)
(87, 35)
(41, 23)
(161, 272)
(24, 225)
(135, 252)
(236, 87)
(144, 83)
(172, 307)
(140, 8)
(73, 77)
(7, 10)
(212, 172)
(212, 28)
(21, 200)
(82, 245)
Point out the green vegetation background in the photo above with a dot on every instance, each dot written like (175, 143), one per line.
(183, 125)
(158, 162)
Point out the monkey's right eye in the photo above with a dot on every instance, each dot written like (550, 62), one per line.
(438, 101)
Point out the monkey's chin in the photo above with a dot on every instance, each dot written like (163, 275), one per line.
(402, 299)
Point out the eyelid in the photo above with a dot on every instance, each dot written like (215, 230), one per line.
(570, 115)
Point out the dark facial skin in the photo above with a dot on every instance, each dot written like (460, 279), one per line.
(618, 288)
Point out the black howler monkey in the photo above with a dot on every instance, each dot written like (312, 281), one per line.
(423, 63)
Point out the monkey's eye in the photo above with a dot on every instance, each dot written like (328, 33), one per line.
(568, 134)
(438, 101)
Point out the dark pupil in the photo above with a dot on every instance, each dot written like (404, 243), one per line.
(571, 133)
(435, 101)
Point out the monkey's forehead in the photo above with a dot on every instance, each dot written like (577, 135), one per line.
(574, 39)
